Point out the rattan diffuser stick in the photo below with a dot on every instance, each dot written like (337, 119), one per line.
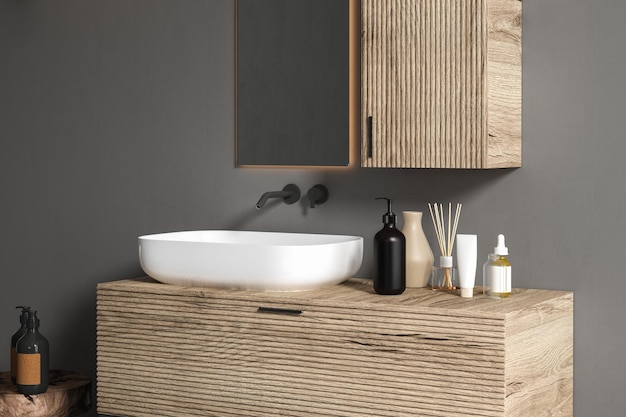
(445, 238)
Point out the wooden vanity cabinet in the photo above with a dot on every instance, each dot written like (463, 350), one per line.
(164, 350)
(441, 83)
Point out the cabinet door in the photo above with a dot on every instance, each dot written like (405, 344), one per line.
(441, 83)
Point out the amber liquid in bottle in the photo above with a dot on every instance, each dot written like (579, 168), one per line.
(497, 271)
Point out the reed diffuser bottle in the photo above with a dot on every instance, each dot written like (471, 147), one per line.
(444, 277)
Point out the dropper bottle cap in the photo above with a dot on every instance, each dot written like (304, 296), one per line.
(501, 249)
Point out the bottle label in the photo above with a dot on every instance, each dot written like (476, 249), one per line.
(500, 279)
(28, 368)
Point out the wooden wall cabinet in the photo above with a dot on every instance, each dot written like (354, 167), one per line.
(165, 350)
(441, 83)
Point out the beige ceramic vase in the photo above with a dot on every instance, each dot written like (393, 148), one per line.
(419, 256)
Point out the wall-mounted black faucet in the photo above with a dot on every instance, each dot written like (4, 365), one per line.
(290, 193)
(317, 194)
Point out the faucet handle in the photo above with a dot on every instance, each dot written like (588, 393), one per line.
(317, 194)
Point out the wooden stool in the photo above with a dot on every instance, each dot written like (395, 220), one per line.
(68, 395)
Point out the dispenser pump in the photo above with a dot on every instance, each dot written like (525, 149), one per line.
(389, 217)
(501, 249)
(24, 315)
(33, 320)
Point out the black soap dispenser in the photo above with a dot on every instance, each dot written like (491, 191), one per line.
(33, 359)
(389, 256)
(17, 336)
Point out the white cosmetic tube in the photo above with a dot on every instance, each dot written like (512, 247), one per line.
(466, 254)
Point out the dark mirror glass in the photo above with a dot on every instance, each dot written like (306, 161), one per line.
(293, 82)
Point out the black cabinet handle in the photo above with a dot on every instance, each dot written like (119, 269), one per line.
(369, 136)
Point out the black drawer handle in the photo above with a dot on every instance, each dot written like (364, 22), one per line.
(274, 310)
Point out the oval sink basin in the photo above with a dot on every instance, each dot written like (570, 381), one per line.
(263, 261)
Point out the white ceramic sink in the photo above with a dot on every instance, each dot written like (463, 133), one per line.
(264, 261)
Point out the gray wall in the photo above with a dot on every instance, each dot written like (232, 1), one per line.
(117, 119)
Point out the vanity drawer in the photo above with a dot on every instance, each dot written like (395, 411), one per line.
(339, 351)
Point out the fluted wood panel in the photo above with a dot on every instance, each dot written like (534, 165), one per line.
(339, 351)
(425, 71)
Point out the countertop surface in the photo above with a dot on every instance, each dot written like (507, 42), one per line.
(359, 291)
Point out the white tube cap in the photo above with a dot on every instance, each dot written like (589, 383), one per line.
(467, 292)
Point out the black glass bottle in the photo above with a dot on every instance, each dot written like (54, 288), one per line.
(17, 336)
(33, 359)
(389, 256)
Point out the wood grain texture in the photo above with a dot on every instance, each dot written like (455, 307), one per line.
(338, 351)
(441, 81)
(504, 84)
(68, 395)
(547, 361)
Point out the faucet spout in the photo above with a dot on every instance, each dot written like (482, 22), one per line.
(290, 194)
(271, 194)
